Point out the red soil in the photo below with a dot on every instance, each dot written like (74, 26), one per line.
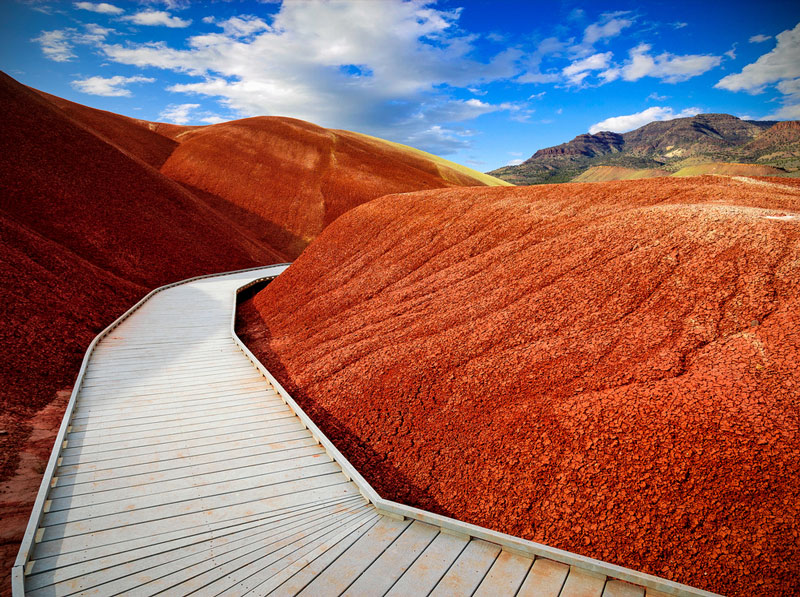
(608, 368)
(290, 178)
(137, 138)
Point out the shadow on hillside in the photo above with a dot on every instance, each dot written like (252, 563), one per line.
(277, 237)
(386, 479)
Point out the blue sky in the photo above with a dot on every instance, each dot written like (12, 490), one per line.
(482, 83)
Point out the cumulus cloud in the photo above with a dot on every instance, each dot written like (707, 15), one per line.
(187, 113)
(383, 68)
(243, 26)
(156, 18)
(56, 45)
(628, 122)
(671, 68)
(515, 162)
(609, 25)
(101, 7)
(580, 69)
(604, 30)
(782, 63)
(550, 46)
(110, 86)
(779, 67)
(760, 38)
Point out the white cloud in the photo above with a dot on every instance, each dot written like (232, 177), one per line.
(628, 122)
(760, 38)
(604, 30)
(783, 62)
(178, 113)
(243, 26)
(779, 67)
(101, 7)
(93, 34)
(732, 52)
(157, 18)
(580, 69)
(187, 113)
(671, 68)
(108, 87)
(550, 46)
(515, 162)
(658, 98)
(679, 25)
(379, 67)
(55, 45)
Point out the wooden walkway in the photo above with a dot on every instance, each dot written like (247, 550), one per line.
(182, 470)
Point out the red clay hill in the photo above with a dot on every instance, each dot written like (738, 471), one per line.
(608, 368)
(89, 225)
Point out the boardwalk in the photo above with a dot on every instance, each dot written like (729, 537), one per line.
(182, 469)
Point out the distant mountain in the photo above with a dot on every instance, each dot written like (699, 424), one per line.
(665, 146)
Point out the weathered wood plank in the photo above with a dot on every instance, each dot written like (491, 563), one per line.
(65, 538)
(202, 481)
(468, 570)
(185, 498)
(430, 566)
(545, 579)
(104, 469)
(295, 578)
(617, 588)
(582, 583)
(340, 574)
(394, 561)
(505, 576)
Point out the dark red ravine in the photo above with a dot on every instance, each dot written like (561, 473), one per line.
(607, 368)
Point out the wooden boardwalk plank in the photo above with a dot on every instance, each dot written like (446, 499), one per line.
(358, 557)
(235, 519)
(430, 566)
(581, 583)
(505, 576)
(617, 588)
(394, 561)
(58, 540)
(93, 471)
(545, 579)
(294, 579)
(244, 459)
(468, 570)
(210, 482)
(186, 498)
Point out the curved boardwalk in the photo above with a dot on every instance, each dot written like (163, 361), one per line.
(183, 470)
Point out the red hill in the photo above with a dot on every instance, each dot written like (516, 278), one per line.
(609, 368)
(291, 178)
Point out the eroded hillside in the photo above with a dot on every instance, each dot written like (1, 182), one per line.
(608, 368)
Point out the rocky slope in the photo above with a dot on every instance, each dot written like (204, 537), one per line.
(668, 145)
(609, 368)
